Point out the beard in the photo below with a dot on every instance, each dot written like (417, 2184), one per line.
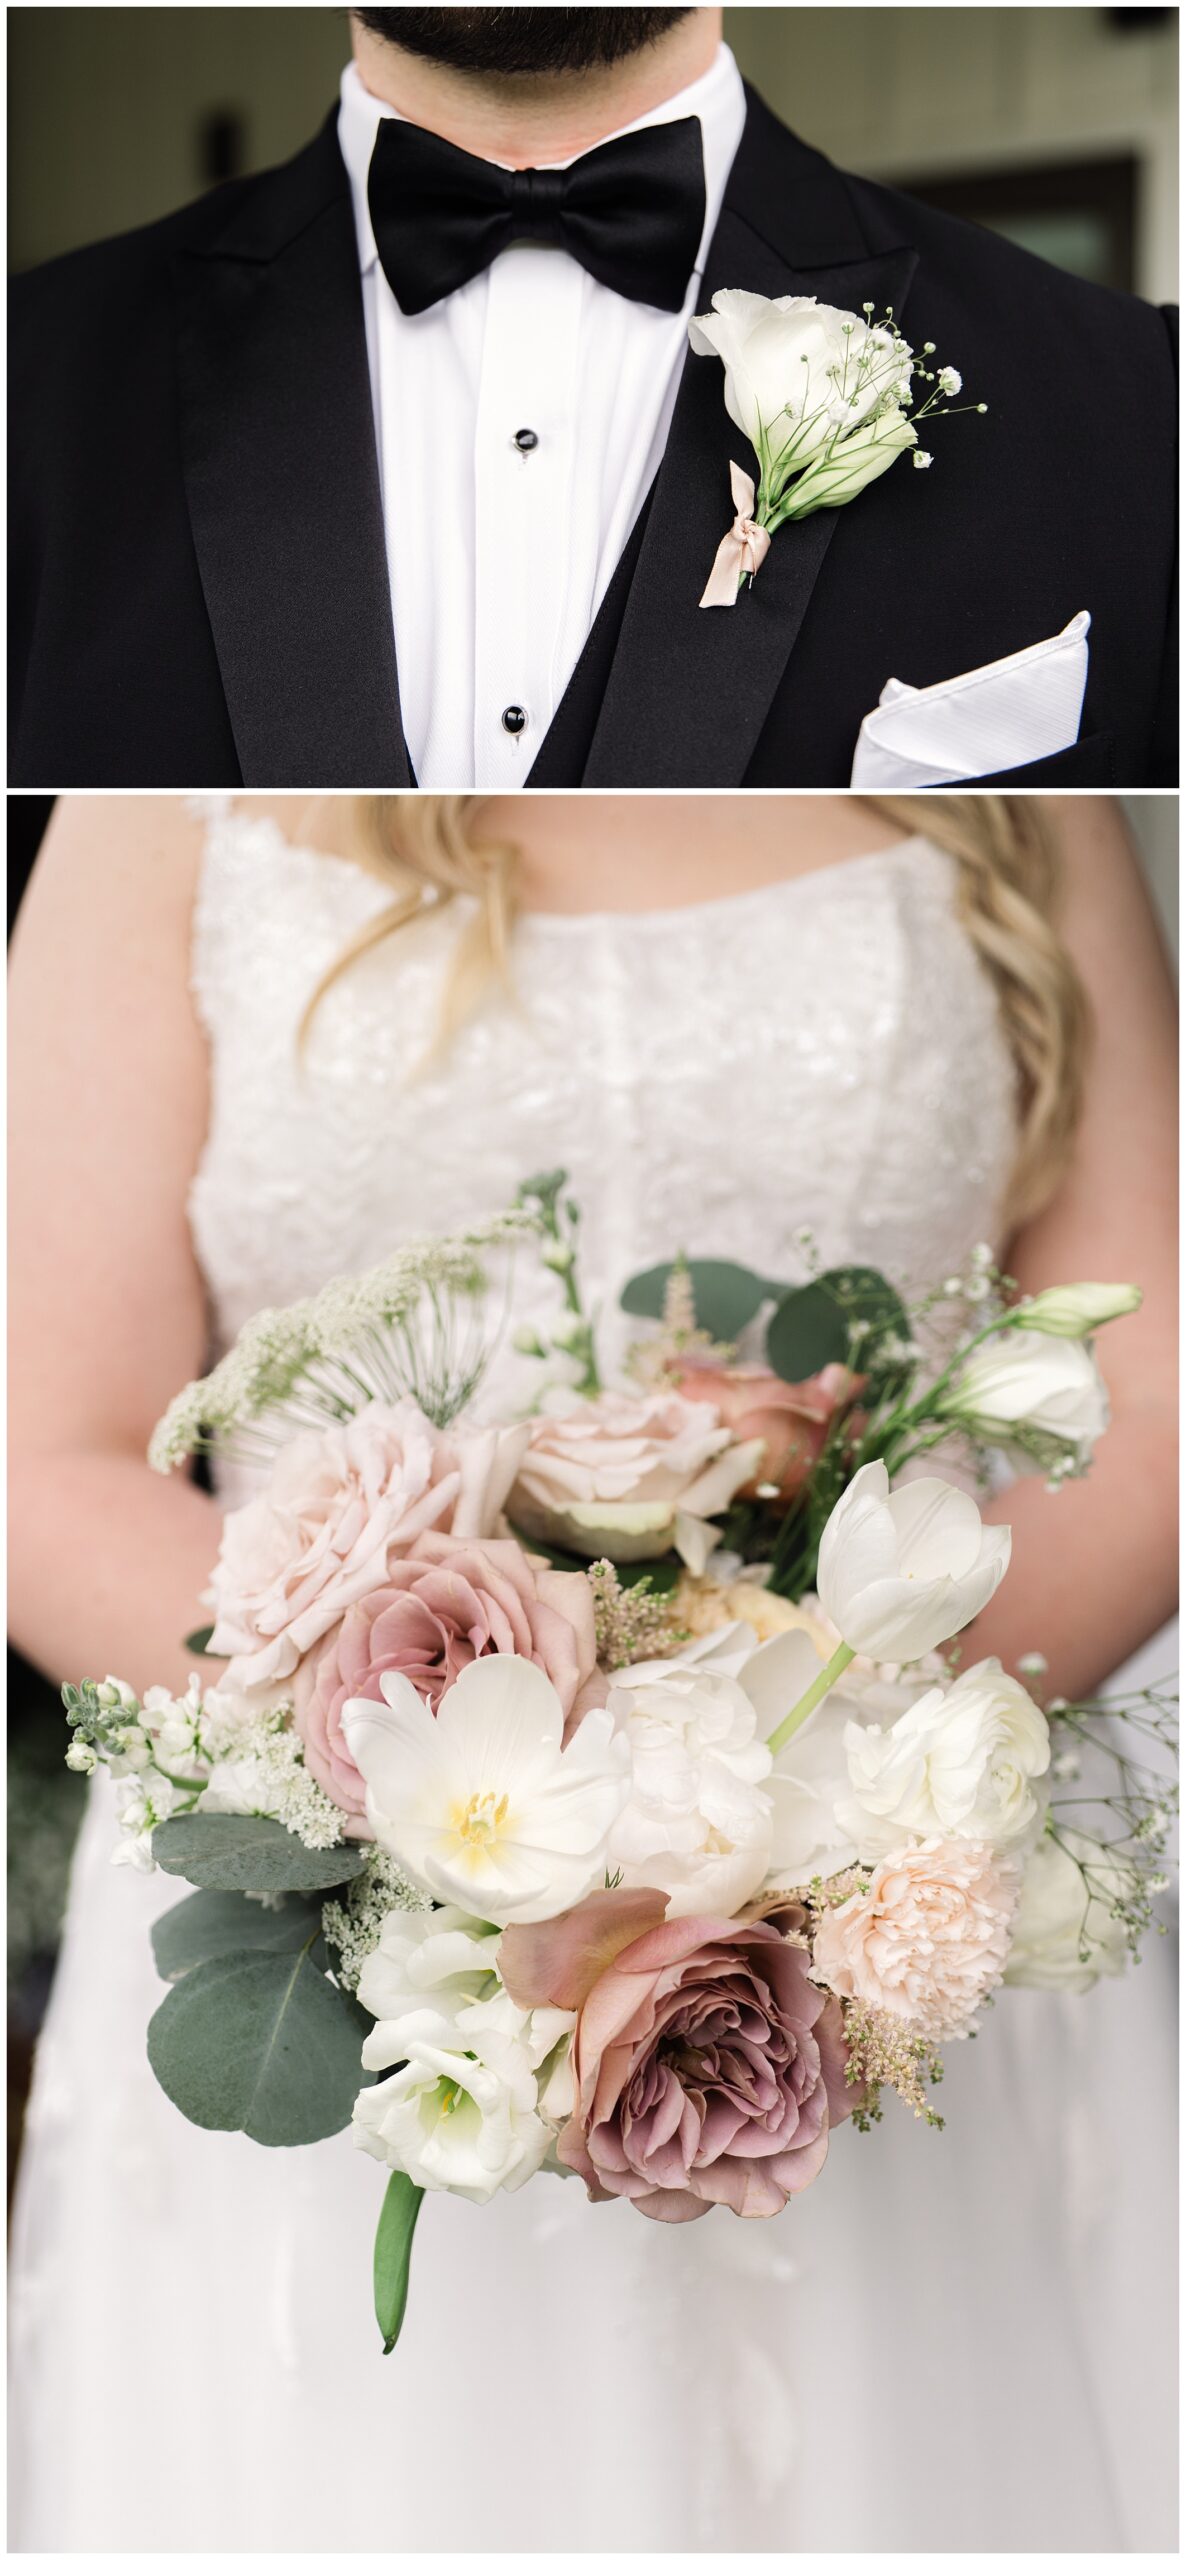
(510, 42)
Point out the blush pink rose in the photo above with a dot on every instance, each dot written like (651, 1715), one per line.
(338, 1505)
(707, 2067)
(442, 1606)
(792, 1421)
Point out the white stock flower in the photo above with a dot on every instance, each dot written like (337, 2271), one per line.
(956, 1765)
(628, 1476)
(900, 1572)
(482, 1802)
(1077, 1308)
(1065, 1937)
(697, 1823)
(471, 2107)
(798, 371)
(1035, 1394)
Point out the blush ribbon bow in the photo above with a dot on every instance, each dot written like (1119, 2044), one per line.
(744, 547)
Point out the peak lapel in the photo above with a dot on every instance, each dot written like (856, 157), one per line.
(689, 691)
(282, 482)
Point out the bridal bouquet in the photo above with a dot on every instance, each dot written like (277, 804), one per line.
(584, 1789)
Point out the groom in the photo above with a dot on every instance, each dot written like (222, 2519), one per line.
(394, 465)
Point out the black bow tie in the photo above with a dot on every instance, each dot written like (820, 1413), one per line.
(632, 212)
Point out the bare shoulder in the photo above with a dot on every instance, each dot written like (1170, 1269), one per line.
(110, 900)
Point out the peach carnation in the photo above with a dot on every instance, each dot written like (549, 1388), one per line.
(929, 1939)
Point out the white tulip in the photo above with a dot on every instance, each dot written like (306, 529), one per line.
(1079, 1307)
(482, 1802)
(797, 371)
(1065, 1937)
(900, 1572)
(1041, 1397)
(956, 1765)
(696, 1824)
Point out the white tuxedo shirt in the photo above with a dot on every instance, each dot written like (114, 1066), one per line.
(498, 559)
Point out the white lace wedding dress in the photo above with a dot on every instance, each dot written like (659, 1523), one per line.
(953, 2340)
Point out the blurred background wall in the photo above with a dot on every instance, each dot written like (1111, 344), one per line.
(1057, 125)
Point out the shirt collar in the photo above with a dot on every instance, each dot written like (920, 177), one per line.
(717, 98)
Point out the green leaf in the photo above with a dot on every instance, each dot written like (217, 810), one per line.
(810, 1326)
(221, 1924)
(393, 2250)
(662, 1573)
(727, 1297)
(249, 1853)
(199, 1641)
(259, 2043)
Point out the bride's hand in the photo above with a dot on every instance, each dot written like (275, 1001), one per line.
(1094, 1566)
(107, 1117)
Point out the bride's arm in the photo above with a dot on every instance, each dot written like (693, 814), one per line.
(108, 1111)
(1094, 1565)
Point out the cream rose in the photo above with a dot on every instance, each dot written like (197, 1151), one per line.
(1065, 1935)
(628, 1476)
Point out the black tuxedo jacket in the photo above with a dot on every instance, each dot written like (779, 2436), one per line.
(199, 580)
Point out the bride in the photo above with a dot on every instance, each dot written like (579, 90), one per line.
(259, 1042)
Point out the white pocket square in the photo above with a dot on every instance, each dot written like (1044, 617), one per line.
(1008, 713)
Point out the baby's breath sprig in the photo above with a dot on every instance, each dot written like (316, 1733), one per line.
(1126, 1747)
(352, 1921)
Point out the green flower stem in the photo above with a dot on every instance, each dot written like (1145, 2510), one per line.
(826, 1680)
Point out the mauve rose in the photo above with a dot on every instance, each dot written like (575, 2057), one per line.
(708, 2068)
(441, 1606)
(793, 1421)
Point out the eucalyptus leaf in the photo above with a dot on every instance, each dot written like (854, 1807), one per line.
(199, 1641)
(219, 1924)
(726, 1296)
(811, 1326)
(249, 1853)
(259, 2043)
(393, 2250)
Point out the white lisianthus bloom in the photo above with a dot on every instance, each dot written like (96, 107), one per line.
(473, 2105)
(958, 1764)
(1041, 1397)
(461, 2113)
(482, 1802)
(1065, 1937)
(798, 371)
(141, 1802)
(696, 1824)
(901, 1571)
(1078, 1308)
(839, 474)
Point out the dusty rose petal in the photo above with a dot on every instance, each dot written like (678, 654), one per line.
(555, 1963)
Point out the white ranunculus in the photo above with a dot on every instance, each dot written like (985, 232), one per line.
(1038, 1396)
(797, 371)
(900, 1572)
(1079, 1307)
(482, 1802)
(1064, 1937)
(817, 1826)
(957, 1765)
(626, 1476)
(696, 1824)
(472, 2107)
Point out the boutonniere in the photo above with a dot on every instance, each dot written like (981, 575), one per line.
(825, 399)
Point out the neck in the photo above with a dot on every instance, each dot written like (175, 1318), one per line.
(526, 120)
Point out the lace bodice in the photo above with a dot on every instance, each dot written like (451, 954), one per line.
(822, 1053)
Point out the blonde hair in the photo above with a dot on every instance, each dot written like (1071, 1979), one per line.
(1008, 880)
